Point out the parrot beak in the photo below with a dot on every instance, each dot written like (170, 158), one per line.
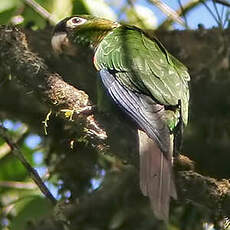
(60, 44)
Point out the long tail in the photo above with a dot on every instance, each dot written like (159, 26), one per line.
(156, 180)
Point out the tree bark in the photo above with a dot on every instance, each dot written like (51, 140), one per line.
(27, 56)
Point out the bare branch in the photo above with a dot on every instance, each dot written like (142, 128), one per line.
(211, 13)
(181, 11)
(213, 195)
(168, 11)
(50, 87)
(34, 175)
(17, 185)
(5, 148)
(32, 72)
(223, 2)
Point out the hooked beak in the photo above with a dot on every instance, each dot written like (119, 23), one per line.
(61, 44)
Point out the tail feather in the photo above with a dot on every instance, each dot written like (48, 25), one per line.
(156, 180)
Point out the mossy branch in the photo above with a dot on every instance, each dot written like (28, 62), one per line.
(33, 72)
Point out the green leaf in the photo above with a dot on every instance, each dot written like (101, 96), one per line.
(6, 5)
(62, 9)
(11, 167)
(7, 10)
(79, 7)
(31, 209)
(33, 18)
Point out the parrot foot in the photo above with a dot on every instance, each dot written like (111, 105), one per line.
(87, 110)
(94, 129)
(71, 113)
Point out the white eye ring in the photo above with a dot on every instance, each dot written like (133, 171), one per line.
(74, 22)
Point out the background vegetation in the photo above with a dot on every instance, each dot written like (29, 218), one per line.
(90, 164)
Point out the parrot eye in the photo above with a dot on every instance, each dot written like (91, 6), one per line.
(75, 21)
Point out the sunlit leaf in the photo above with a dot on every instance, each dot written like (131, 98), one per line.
(7, 10)
(8, 4)
(142, 16)
(62, 9)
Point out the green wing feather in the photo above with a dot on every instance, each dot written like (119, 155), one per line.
(152, 87)
(143, 65)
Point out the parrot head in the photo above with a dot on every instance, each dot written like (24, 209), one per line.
(83, 30)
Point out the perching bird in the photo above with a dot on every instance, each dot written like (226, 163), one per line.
(147, 83)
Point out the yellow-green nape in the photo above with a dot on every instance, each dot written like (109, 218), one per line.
(85, 16)
(91, 18)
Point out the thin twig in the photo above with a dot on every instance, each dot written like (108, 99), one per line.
(22, 133)
(222, 13)
(226, 20)
(217, 13)
(186, 8)
(210, 11)
(183, 13)
(42, 11)
(34, 175)
(168, 11)
(17, 185)
(223, 2)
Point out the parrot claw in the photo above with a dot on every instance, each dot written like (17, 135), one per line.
(88, 110)
(85, 111)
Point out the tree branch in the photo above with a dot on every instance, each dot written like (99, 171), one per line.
(172, 14)
(32, 72)
(34, 175)
(223, 2)
(188, 6)
(50, 87)
(213, 195)
(212, 198)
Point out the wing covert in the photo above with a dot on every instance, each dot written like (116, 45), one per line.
(144, 66)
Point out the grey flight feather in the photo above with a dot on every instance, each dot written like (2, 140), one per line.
(141, 108)
(156, 180)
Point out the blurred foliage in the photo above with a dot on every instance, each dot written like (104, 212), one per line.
(142, 17)
(18, 12)
(140, 13)
(30, 210)
(20, 200)
(94, 7)
(80, 171)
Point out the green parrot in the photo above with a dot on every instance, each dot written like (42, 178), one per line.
(147, 83)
